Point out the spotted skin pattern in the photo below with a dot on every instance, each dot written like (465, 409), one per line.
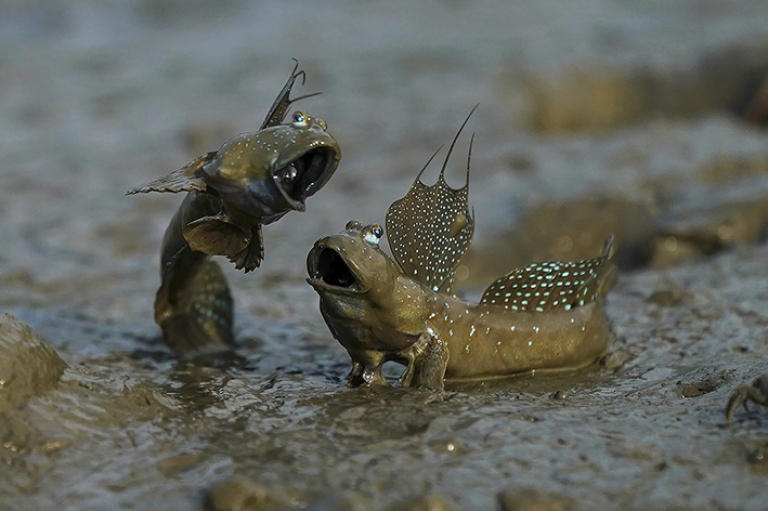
(430, 229)
(401, 308)
(430, 259)
(549, 286)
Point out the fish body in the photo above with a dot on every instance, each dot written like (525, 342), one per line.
(545, 316)
(253, 179)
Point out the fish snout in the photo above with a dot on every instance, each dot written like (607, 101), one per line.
(328, 268)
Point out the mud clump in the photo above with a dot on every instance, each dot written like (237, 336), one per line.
(28, 365)
(533, 500)
(703, 220)
(593, 98)
(702, 384)
(719, 206)
(237, 494)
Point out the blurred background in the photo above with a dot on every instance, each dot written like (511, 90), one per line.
(632, 117)
(645, 118)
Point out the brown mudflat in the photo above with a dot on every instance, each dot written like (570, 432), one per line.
(90, 106)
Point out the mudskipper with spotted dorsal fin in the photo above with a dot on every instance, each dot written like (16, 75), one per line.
(253, 179)
(545, 316)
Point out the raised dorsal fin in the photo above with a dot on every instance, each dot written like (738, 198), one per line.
(554, 286)
(279, 108)
(430, 229)
(186, 179)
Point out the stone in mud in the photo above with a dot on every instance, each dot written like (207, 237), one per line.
(528, 499)
(592, 97)
(705, 220)
(702, 381)
(342, 501)
(731, 168)
(425, 503)
(724, 207)
(237, 494)
(28, 365)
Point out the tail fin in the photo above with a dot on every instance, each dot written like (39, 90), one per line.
(607, 275)
(196, 316)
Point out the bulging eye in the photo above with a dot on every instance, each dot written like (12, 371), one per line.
(353, 225)
(374, 234)
(300, 119)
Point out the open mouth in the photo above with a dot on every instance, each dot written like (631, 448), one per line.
(306, 174)
(327, 266)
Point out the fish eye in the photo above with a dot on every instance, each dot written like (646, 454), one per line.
(373, 234)
(300, 119)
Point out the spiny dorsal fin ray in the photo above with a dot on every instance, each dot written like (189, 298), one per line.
(553, 286)
(279, 108)
(430, 229)
(185, 179)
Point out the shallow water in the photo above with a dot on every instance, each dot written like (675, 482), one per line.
(97, 98)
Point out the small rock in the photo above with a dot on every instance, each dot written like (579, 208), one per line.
(615, 360)
(178, 464)
(528, 499)
(702, 381)
(339, 502)
(559, 395)
(237, 494)
(668, 297)
(425, 503)
(28, 365)
(706, 219)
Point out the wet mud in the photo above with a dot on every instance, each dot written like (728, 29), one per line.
(97, 97)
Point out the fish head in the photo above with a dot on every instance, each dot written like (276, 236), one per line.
(368, 303)
(351, 264)
(264, 174)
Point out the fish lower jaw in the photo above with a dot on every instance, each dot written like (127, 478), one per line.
(321, 285)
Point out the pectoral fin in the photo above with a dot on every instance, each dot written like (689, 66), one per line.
(250, 257)
(430, 363)
(214, 235)
(185, 179)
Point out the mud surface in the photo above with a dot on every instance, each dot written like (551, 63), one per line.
(594, 116)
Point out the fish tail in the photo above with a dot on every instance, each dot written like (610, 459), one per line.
(193, 305)
(196, 317)
(607, 274)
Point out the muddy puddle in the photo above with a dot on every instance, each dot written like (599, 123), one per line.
(606, 116)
